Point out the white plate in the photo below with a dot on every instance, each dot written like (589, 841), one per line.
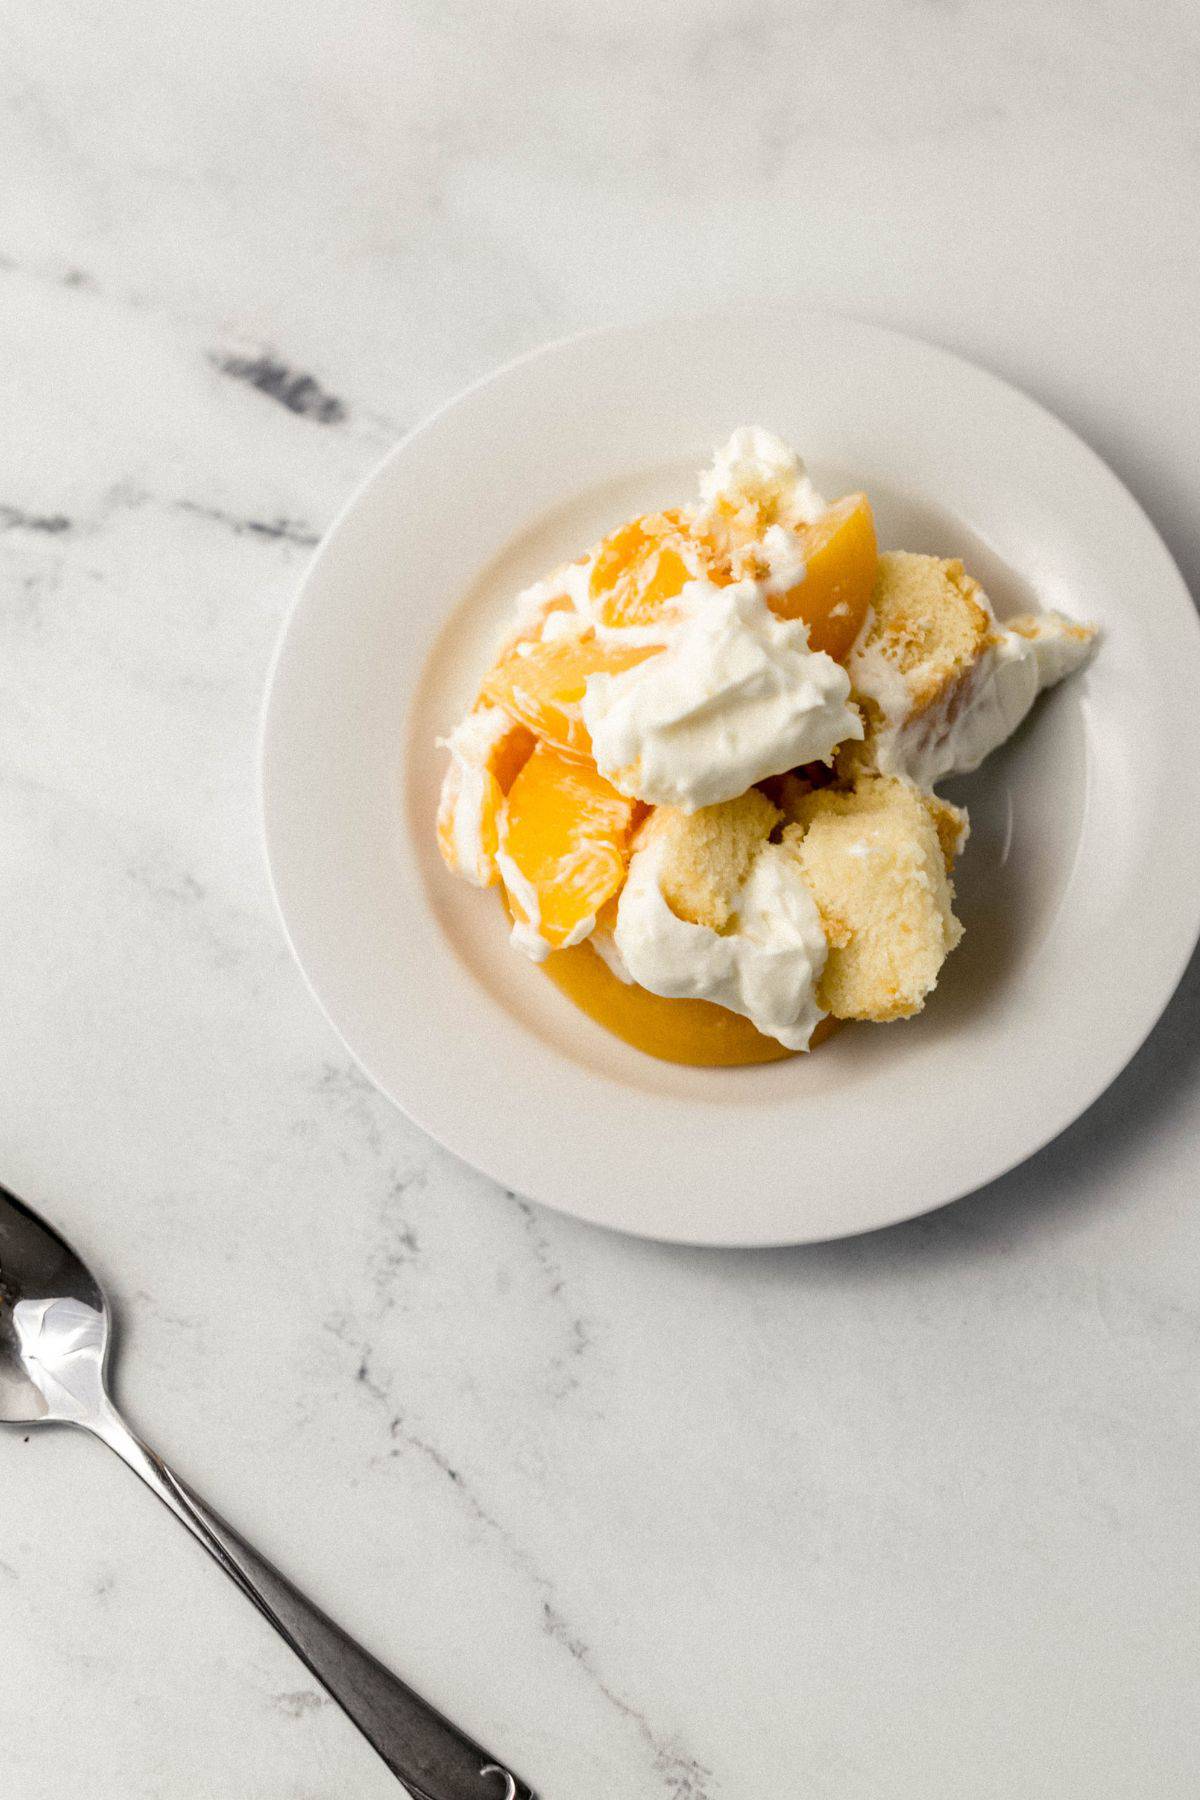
(1080, 889)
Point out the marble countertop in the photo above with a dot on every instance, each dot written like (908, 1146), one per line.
(908, 1516)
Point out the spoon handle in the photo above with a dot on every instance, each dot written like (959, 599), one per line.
(433, 1759)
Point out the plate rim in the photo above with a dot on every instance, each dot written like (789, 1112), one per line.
(1124, 1048)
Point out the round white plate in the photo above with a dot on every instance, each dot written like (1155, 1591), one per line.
(1080, 889)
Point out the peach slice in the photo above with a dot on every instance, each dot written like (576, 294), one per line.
(840, 556)
(639, 569)
(541, 685)
(564, 845)
(487, 752)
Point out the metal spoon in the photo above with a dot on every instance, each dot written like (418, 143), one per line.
(54, 1334)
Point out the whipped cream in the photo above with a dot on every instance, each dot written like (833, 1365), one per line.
(765, 967)
(549, 608)
(735, 696)
(783, 554)
(467, 793)
(604, 942)
(568, 582)
(956, 733)
(758, 469)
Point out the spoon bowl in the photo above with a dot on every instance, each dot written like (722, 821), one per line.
(54, 1324)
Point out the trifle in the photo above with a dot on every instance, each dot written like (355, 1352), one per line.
(702, 768)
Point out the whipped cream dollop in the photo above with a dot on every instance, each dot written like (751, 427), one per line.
(735, 696)
(558, 595)
(766, 966)
(469, 790)
(756, 468)
(953, 736)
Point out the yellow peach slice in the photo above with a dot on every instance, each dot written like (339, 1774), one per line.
(563, 845)
(486, 753)
(541, 685)
(840, 555)
(639, 569)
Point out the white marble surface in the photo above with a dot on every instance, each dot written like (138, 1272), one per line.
(909, 1517)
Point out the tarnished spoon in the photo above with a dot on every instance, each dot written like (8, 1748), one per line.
(54, 1334)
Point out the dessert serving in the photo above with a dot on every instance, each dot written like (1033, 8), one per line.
(702, 768)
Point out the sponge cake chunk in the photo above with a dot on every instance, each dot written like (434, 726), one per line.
(704, 857)
(940, 683)
(931, 623)
(873, 859)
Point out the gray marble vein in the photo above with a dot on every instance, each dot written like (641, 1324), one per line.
(268, 375)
